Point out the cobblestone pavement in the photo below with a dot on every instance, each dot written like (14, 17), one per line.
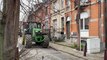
(39, 53)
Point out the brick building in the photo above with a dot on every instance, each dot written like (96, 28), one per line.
(90, 21)
(41, 14)
(58, 16)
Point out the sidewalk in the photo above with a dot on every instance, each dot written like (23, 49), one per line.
(65, 47)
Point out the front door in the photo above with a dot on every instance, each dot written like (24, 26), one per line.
(68, 29)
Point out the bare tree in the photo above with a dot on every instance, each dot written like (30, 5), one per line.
(9, 29)
(9, 26)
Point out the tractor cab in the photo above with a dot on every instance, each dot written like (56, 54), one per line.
(35, 30)
(30, 26)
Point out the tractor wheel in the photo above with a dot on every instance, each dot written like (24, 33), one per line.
(45, 44)
(28, 41)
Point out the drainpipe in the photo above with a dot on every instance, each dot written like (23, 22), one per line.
(105, 28)
(99, 20)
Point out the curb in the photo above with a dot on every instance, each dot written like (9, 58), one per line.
(53, 45)
(71, 51)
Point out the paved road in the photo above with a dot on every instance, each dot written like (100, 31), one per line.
(39, 53)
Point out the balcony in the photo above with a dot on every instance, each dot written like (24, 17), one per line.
(84, 3)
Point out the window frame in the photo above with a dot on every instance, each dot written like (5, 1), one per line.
(55, 24)
(62, 3)
(82, 24)
(68, 4)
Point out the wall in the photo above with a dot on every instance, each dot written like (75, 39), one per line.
(58, 15)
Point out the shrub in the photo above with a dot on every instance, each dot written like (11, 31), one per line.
(75, 46)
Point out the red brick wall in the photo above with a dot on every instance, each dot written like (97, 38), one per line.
(93, 26)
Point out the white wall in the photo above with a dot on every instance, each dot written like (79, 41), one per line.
(84, 33)
(93, 45)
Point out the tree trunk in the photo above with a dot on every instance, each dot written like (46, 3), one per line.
(9, 29)
(1, 41)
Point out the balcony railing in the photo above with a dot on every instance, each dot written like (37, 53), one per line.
(82, 3)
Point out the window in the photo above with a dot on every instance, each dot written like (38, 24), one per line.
(62, 23)
(38, 25)
(35, 25)
(87, 23)
(81, 23)
(55, 6)
(84, 24)
(68, 3)
(46, 10)
(84, 20)
(62, 3)
(55, 24)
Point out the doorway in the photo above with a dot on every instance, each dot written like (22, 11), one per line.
(68, 29)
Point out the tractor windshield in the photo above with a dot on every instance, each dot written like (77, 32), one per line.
(36, 25)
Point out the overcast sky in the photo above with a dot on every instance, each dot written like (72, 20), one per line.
(23, 16)
(30, 4)
(1, 6)
(23, 10)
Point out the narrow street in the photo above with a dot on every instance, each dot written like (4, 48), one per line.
(53, 29)
(39, 53)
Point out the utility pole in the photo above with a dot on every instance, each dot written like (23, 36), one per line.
(105, 28)
(9, 29)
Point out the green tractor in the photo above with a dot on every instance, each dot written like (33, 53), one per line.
(34, 33)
